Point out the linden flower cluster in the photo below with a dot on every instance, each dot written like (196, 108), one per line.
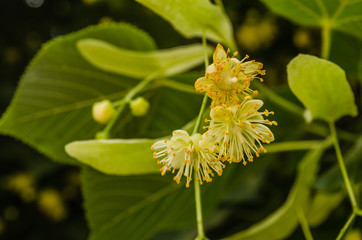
(236, 130)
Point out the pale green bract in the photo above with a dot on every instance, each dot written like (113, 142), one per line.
(281, 223)
(322, 87)
(116, 156)
(192, 18)
(140, 64)
(342, 15)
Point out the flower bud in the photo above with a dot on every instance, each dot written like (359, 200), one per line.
(102, 111)
(139, 107)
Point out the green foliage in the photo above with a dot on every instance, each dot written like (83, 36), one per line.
(116, 156)
(322, 205)
(346, 52)
(332, 179)
(342, 15)
(137, 207)
(282, 222)
(322, 87)
(52, 105)
(123, 197)
(192, 18)
(140, 64)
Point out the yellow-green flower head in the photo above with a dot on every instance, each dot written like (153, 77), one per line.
(238, 131)
(227, 80)
(186, 154)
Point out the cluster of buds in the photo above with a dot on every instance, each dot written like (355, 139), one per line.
(236, 131)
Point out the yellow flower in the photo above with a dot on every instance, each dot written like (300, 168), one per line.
(227, 80)
(186, 154)
(238, 131)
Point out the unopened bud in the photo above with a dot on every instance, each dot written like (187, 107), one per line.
(139, 107)
(102, 111)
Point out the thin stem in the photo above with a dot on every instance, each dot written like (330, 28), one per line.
(198, 203)
(199, 118)
(206, 57)
(123, 102)
(175, 85)
(292, 146)
(359, 212)
(199, 221)
(304, 224)
(346, 225)
(326, 39)
(343, 167)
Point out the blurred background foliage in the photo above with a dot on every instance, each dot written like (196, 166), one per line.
(41, 199)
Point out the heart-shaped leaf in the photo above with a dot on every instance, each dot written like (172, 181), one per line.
(193, 18)
(322, 87)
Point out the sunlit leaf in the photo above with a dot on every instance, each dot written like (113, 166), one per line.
(342, 15)
(140, 64)
(192, 18)
(116, 156)
(282, 222)
(322, 87)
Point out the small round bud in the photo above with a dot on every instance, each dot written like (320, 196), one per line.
(139, 107)
(102, 111)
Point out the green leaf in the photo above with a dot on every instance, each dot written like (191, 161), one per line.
(137, 207)
(192, 18)
(342, 15)
(346, 52)
(52, 105)
(322, 87)
(322, 205)
(116, 156)
(282, 222)
(140, 64)
(359, 69)
(332, 180)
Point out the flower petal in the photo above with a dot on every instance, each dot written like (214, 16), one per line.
(220, 114)
(249, 107)
(251, 67)
(203, 84)
(159, 145)
(219, 54)
(181, 135)
(265, 132)
(210, 69)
